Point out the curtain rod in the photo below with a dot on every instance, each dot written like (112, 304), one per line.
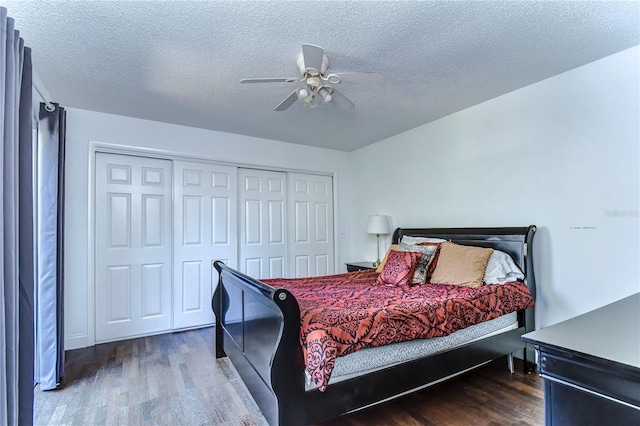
(47, 105)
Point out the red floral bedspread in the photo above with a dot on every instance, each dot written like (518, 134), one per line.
(343, 313)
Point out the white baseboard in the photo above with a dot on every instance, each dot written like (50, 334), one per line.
(76, 342)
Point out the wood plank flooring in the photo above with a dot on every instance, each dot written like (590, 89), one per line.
(174, 379)
(488, 396)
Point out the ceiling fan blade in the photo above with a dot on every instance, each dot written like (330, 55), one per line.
(312, 56)
(290, 100)
(362, 77)
(268, 80)
(341, 101)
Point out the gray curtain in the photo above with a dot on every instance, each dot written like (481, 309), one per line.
(16, 221)
(50, 261)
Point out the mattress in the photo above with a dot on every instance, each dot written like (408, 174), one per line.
(367, 360)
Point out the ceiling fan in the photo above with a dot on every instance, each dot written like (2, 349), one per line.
(313, 63)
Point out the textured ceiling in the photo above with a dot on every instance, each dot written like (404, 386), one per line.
(181, 61)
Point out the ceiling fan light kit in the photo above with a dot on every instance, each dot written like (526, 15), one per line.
(306, 95)
(325, 94)
(313, 63)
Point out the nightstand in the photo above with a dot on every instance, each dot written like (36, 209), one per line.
(359, 266)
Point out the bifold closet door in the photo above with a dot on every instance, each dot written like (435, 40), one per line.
(310, 225)
(263, 236)
(133, 246)
(205, 229)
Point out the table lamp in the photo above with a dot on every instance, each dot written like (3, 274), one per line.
(379, 225)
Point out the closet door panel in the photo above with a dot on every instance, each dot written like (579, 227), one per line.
(275, 222)
(311, 227)
(118, 294)
(303, 265)
(276, 267)
(132, 247)
(152, 290)
(152, 220)
(263, 231)
(205, 229)
(220, 222)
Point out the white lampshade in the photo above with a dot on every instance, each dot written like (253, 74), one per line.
(377, 224)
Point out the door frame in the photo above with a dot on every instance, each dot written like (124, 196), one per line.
(73, 342)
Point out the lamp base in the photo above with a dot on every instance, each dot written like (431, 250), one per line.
(377, 263)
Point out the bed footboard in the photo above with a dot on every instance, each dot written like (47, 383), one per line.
(258, 328)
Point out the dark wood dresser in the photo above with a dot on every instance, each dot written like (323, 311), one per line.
(591, 366)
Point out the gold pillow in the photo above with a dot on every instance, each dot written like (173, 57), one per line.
(383, 261)
(461, 265)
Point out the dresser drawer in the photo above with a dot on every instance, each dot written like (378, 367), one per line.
(606, 379)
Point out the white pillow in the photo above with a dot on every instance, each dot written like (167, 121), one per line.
(502, 269)
(407, 239)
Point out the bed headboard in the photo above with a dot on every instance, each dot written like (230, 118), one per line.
(516, 241)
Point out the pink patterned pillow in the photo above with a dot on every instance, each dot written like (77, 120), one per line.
(399, 268)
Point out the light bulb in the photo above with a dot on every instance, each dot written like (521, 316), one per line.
(303, 93)
(326, 95)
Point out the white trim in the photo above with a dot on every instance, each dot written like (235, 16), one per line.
(175, 155)
(41, 89)
(76, 342)
(91, 282)
(336, 233)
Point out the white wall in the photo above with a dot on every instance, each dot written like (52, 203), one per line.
(36, 96)
(561, 154)
(84, 127)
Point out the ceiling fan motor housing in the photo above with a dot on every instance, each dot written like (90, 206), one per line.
(313, 81)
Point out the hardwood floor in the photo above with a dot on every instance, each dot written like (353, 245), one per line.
(174, 379)
(169, 379)
(488, 396)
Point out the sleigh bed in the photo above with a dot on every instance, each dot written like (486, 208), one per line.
(258, 326)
